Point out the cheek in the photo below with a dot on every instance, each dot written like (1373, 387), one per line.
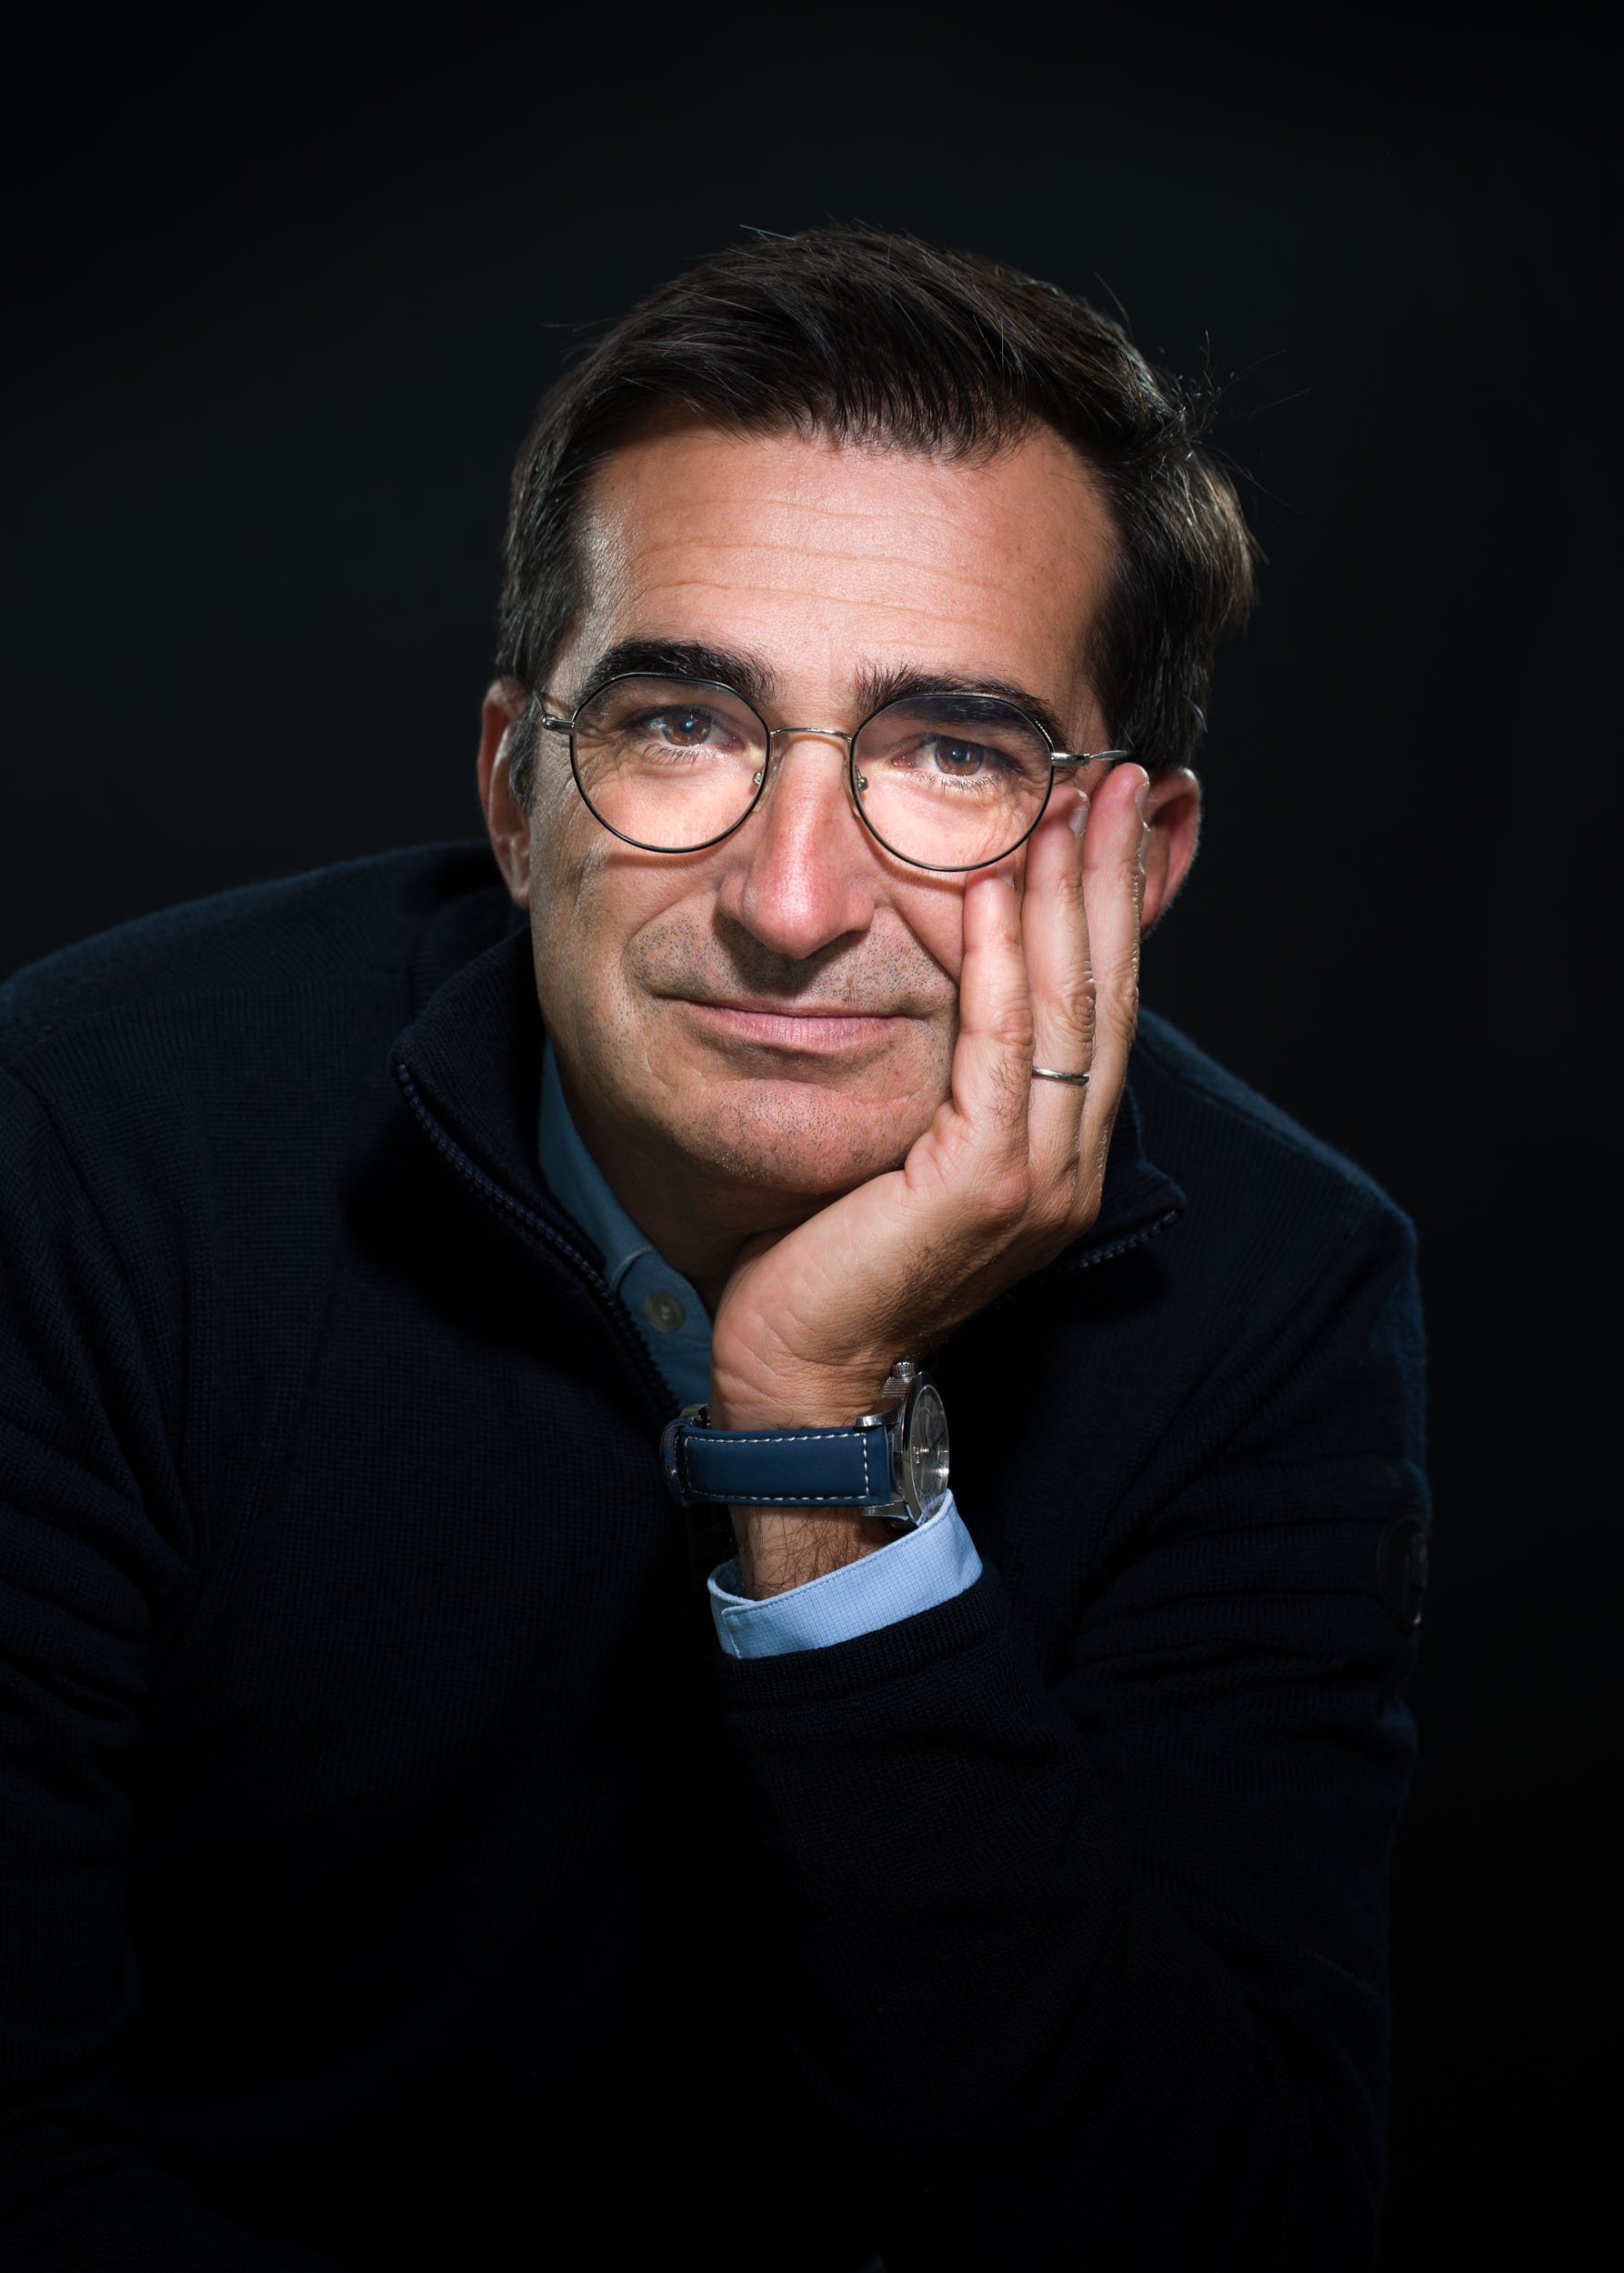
(588, 902)
(564, 867)
(932, 910)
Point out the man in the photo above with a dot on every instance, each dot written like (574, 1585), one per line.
(503, 1769)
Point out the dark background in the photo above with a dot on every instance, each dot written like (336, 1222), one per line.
(287, 305)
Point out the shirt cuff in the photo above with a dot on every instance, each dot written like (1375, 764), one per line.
(911, 1573)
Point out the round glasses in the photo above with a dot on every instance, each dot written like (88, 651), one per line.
(946, 781)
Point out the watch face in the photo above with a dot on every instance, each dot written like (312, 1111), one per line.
(926, 1447)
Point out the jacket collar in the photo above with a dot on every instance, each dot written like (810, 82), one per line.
(469, 1063)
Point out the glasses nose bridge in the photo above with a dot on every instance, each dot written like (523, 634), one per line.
(818, 733)
(777, 736)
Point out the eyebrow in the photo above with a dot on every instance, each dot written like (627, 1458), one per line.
(878, 686)
(749, 676)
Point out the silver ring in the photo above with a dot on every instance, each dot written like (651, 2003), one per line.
(1048, 1073)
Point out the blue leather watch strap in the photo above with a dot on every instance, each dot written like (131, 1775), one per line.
(784, 1468)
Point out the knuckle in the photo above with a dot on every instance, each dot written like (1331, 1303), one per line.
(1051, 1211)
(1072, 886)
(1006, 1196)
(1012, 1027)
(1078, 1010)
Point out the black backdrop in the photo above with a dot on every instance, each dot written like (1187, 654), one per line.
(287, 303)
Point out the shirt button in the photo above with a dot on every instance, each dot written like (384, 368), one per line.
(664, 1313)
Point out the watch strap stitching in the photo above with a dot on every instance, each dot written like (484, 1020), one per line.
(876, 1491)
(790, 1437)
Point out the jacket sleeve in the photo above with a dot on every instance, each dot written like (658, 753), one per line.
(93, 1543)
(1089, 1965)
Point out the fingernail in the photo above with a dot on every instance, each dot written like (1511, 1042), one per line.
(1079, 814)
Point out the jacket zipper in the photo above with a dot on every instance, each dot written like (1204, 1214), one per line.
(527, 1224)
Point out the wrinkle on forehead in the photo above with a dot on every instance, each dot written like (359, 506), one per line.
(897, 509)
(962, 611)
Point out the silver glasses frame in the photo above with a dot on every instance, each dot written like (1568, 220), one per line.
(853, 782)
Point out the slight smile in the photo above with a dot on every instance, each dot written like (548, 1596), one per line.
(812, 1032)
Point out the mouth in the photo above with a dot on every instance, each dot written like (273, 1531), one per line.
(814, 1031)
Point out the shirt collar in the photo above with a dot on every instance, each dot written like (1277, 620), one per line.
(666, 1310)
(579, 1184)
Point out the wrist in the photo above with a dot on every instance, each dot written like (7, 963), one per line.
(800, 1398)
(811, 1485)
(782, 1548)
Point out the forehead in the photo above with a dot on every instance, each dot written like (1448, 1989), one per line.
(820, 555)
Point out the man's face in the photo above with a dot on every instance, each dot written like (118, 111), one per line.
(772, 1020)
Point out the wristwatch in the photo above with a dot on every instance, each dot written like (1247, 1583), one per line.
(892, 1463)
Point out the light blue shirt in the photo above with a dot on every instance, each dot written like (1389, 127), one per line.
(911, 1573)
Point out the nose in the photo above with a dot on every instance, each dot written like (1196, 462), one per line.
(801, 872)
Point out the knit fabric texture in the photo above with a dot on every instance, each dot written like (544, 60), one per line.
(394, 1870)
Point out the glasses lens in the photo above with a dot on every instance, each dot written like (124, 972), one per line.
(951, 781)
(671, 764)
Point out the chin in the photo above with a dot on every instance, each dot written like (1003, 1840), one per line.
(801, 1139)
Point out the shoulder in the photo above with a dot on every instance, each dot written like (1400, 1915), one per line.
(204, 1052)
(339, 925)
(1252, 1173)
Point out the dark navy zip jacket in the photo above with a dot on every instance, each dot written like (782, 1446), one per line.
(392, 1869)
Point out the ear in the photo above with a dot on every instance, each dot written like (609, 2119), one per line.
(1174, 808)
(505, 818)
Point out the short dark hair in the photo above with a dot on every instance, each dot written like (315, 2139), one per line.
(862, 335)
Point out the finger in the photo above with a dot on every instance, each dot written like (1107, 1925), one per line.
(992, 1059)
(1114, 895)
(1055, 933)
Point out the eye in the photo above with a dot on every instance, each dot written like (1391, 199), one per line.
(959, 759)
(689, 727)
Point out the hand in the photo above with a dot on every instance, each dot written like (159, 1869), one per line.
(1009, 1172)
